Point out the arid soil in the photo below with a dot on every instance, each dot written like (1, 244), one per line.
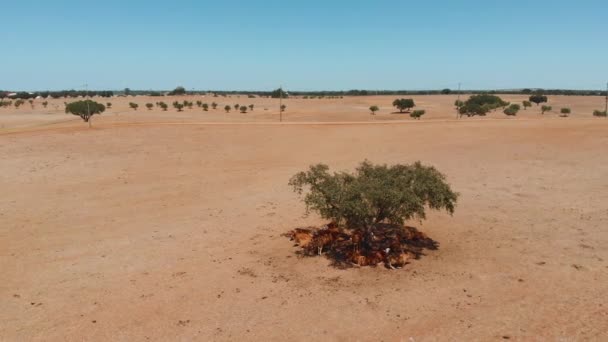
(136, 230)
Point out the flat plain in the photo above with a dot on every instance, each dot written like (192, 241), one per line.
(164, 226)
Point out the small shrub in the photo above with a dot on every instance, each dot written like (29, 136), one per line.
(149, 106)
(109, 105)
(600, 113)
(45, 104)
(237, 106)
(417, 114)
(374, 109)
(283, 107)
(512, 110)
(565, 112)
(205, 107)
(243, 109)
(163, 106)
(227, 108)
(214, 105)
(18, 103)
(133, 105)
(527, 104)
(251, 107)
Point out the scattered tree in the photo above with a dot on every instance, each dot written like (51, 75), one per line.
(214, 105)
(512, 110)
(237, 106)
(481, 105)
(372, 202)
(109, 105)
(149, 106)
(600, 113)
(205, 107)
(565, 112)
(85, 109)
(18, 103)
(283, 107)
(243, 109)
(374, 109)
(178, 91)
(538, 99)
(45, 104)
(163, 106)
(545, 108)
(133, 105)
(227, 108)
(279, 93)
(417, 114)
(404, 104)
(527, 104)
(177, 105)
(251, 107)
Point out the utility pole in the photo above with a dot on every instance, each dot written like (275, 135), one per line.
(86, 94)
(281, 103)
(458, 101)
(606, 108)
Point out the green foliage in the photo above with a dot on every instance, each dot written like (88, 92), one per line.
(374, 109)
(404, 104)
(205, 107)
(374, 194)
(417, 114)
(178, 91)
(538, 99)
(6, 103)
(600, 113)
(458, 104)
(149, 106)
(545, 108)
(163, 106)
(177, 105)
(279, 93)
(227, 108)
(526, 104)
(512, 110)
(565, 112)
(133, 105)
(251, 106)
(481, 105)
(85, 109)
(214, 105)
(243, 109)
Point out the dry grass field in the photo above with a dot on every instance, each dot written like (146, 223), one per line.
(161, 226)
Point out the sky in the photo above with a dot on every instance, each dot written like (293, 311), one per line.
(303, 45)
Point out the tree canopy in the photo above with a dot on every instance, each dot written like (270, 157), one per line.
(85, 109)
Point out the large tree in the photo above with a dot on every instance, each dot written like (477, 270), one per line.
(538, 99)
(404, 104)
(85, 109)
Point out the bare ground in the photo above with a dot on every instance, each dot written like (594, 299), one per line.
(172, 232)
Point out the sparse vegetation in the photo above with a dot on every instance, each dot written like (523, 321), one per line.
(133, 105)
(371, 203)
(205, 107)
(545, 108)
(374, 109)
(179, 106)
(526, 104)
(227, 108)
(538, 99)
(149, 106)
(243, 109)
(417, 114)
(565, 112)
(18, 103)
(512, 110)
(214, 105)
(163, 106)
(251, 106)
(404, 104)
(600, 113)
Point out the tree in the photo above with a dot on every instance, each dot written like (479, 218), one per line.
(237, 106)
(199, 103)
(109, 105)
(45, 103)
(251, 107)
(374, 197)
(481, 105)
(133, 105)
(565, 112)
(127, 91)
(214, 105)
(512, 110)
(600, 113)
(279, 93)
(163, 106)
(417, 114)
(458, 104)
(545, 108)
(205, 107)
(446, 91)
(18, 103)
(85, 109)
(404, 104)
(526, 104)
(374, 109)
(178, 106)
(227, 108)
(149, 106)
(243, 109)
(538, 99)
(283, 107)
(178, 91)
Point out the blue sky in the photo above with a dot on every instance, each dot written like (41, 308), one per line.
(304, 45)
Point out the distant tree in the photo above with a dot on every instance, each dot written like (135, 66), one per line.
(526, 91)
(214, 105)
(446, 91)
(199, 103)
(458, 104)
(546, 109)
(163, 106)
(404, 104)
(417, 114)
(251, 107)
(178, 91)
(600, 113)
(279, 93)
(149, 106)
(227, 108)
(31, 102)
(565, 112)
(512, 110)
(236, 106)
(179, 106)
(109, 105)
(526, 104)
(374, 109)
(243, 109)
(45, 103)
(18, 103)
(127, 91)
(133, 105)
(283, 107)
(538, 99)
(85, 109)
(205, 107)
